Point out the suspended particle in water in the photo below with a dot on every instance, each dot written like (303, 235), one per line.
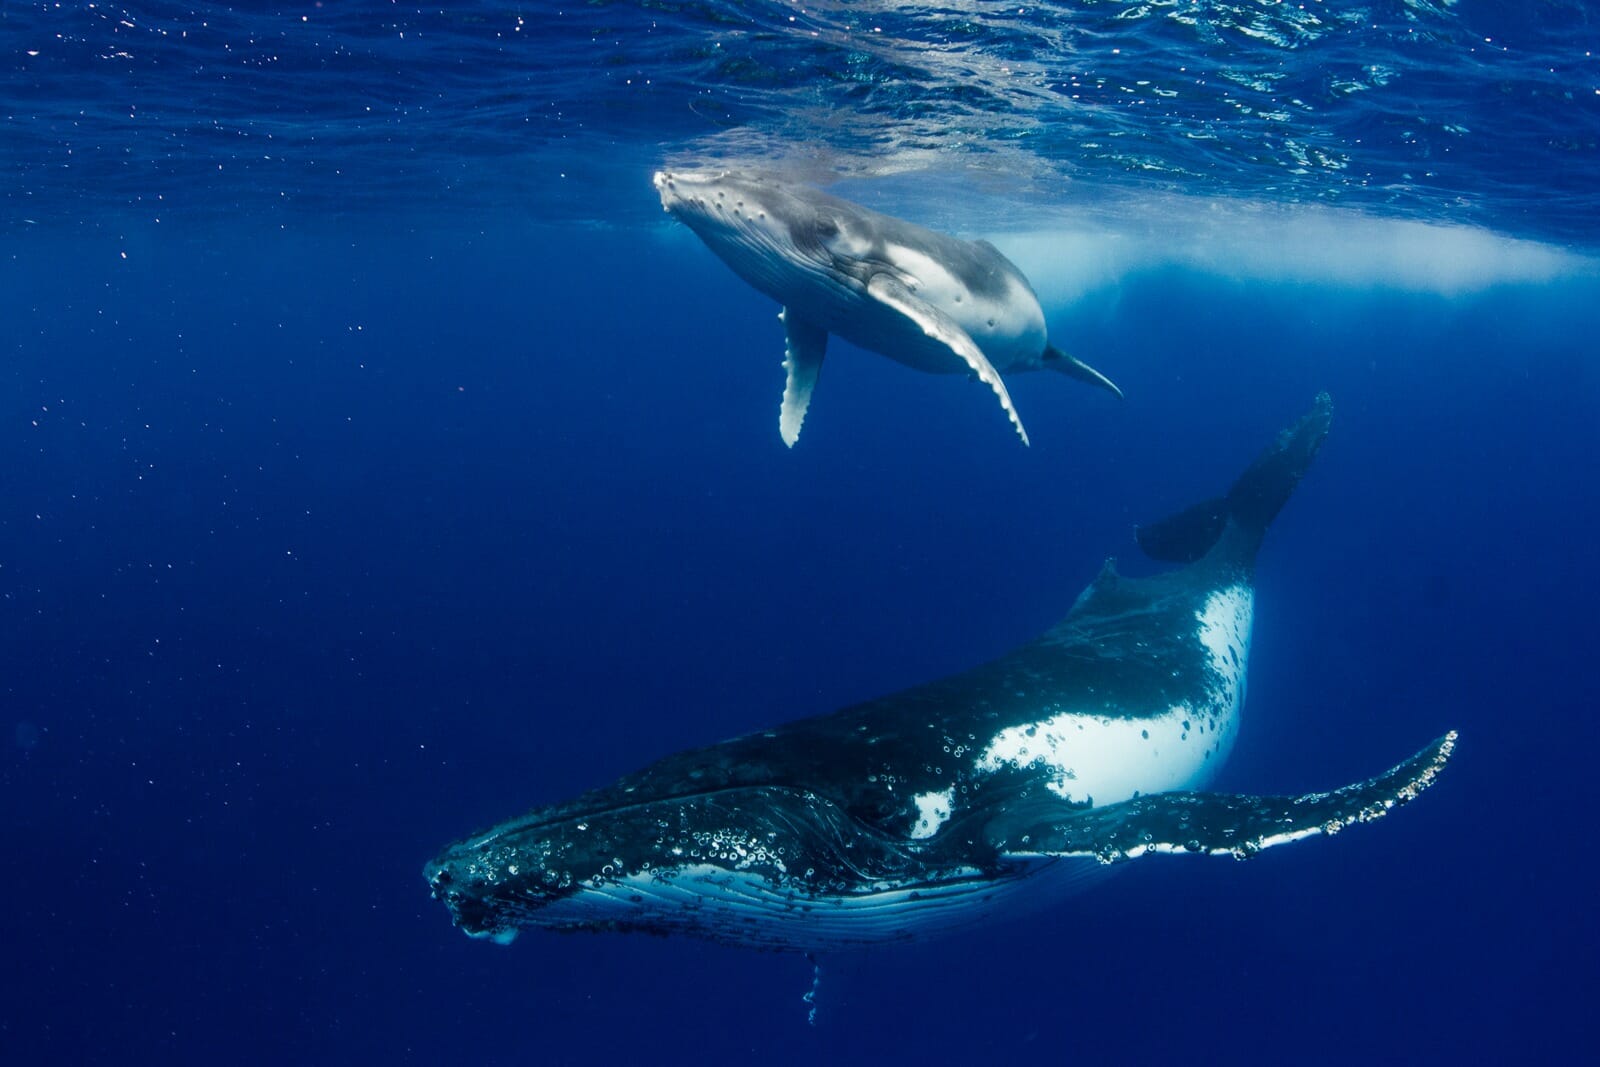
(27, 735)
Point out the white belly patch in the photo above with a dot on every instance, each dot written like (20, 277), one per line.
(1100, 760)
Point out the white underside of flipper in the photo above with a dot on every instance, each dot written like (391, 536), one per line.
(893, 293)
(1217, 824)
(804, 347)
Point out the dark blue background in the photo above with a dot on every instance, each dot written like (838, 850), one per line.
(320, 549)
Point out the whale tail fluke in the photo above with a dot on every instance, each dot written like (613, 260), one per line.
(1073, 367)
(1253, 502)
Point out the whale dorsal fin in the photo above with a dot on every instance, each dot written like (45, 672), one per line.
(1217, 824)
(804, 346)
(892, 292)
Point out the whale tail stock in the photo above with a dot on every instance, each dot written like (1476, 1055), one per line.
(1249, 507)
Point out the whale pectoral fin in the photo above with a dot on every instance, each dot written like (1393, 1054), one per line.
(892, 292)
(1220, 824)
(804, 346)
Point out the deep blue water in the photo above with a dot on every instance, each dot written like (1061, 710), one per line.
(366, 493)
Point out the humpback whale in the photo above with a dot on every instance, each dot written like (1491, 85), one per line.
(933, 807)
(928, 300)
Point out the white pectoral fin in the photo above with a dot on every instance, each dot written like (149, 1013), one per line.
(1217, 824)
(804, 346)
(892, 292)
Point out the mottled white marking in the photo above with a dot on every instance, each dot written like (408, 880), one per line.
(1106, 760)
(1225, 633)
(932, 810)
(1103, 760)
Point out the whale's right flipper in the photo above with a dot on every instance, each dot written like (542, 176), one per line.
(804, 346)
(892, 292)
(1221, 824)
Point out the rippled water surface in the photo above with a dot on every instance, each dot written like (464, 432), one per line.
(1470, 111)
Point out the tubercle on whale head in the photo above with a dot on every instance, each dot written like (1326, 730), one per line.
(700, 191)
(785, 240)
(468, 912)
(666, 184)
(729, 211)
(738, 199)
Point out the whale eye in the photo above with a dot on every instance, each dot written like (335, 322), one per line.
(827, 228)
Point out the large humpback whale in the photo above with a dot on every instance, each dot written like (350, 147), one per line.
(925, 299)
(935, 806)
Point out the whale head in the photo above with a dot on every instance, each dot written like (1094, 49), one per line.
(753, 864)
(779, 237)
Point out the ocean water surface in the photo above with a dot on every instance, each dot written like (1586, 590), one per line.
(381, 463)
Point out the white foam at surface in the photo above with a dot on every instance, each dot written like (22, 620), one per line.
(1254, 242)
(1071, 250)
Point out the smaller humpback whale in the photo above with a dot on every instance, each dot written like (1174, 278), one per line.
(931, 808)
(933, 302)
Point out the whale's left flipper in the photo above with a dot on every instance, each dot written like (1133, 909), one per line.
(1220, 824)
(804, 347)
(892, 292)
